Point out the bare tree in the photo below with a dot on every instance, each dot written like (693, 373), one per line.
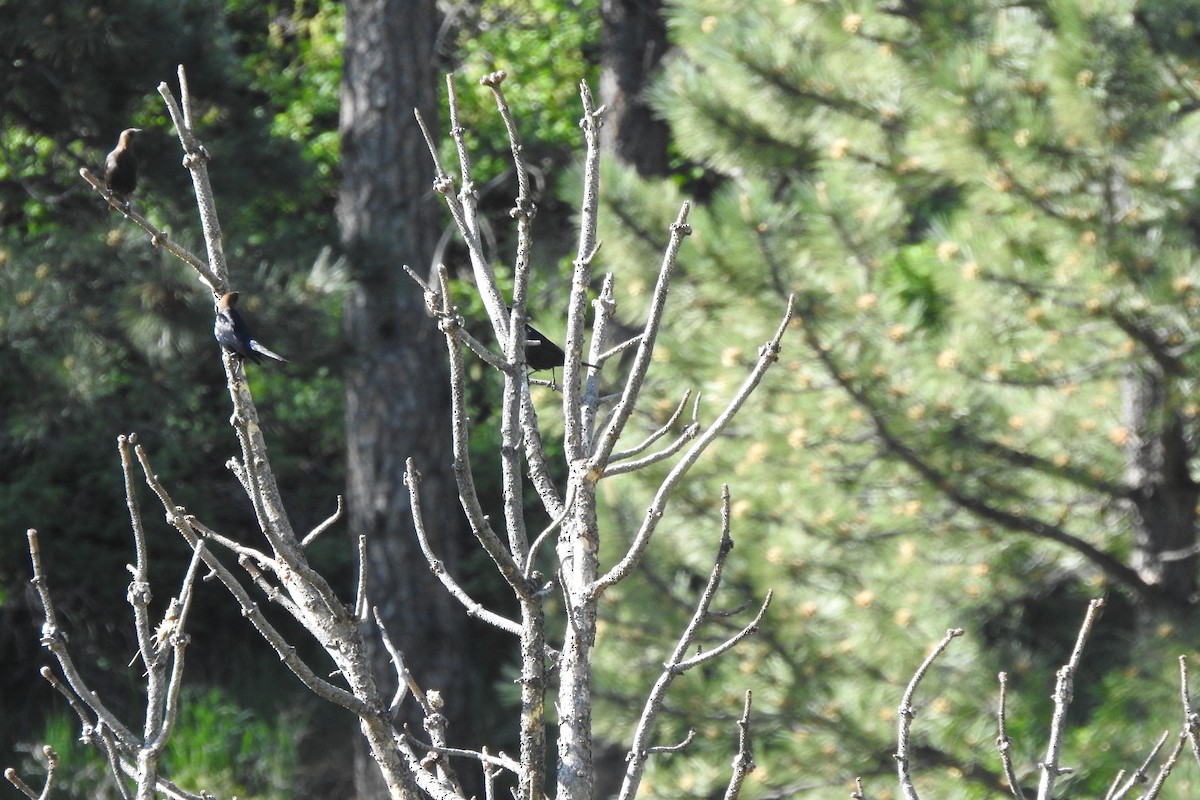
(560, 562)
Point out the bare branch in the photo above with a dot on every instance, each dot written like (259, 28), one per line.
(637, 375)
(195, 160)
(1004, 744)
(907, 713)
(250, 610)
(677, 664)
(678, 747)
(1062, 698)
(618, 348)
(464, 476)
(412, 478)
(360, 592)
(1191, 720)
(158, 237)
(743, 762)
(138, 593)
(51, 767)
(54, 640)
(233, 546)
(481, 756)
(768, 355)
(404, 679)
(1165, 771)
(574, 434)
(172, 632)
(654, 436)
(1141, 775)
(686, 435)
(329, 522)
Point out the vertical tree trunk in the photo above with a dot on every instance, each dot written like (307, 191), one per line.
(397, 399)
(1164, 495)
(634, 41)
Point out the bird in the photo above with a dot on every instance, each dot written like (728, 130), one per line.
(120, 166)
(233, 335)
(541, 353)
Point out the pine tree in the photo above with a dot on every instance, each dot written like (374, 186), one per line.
(988, 213)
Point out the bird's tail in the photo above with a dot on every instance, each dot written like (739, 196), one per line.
(258, 348)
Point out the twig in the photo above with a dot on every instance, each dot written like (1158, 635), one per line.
(404, 679)
(618, 348)
(768, 355)
(54, 640)
(678, 747)
(324, 526)
(233, 546)
(1062, 699)
(138, 593)
(1165, 771)
(412, 478)
(158, 237)
(575, 435)
(1141, 774)
(481, 756)
(677, 664)
(621, 455)
(604, 304)
(172, 632)
(1191, 720)
(1115, 785)
(489, 775)
(1004, 744)
(47, 787)
(641, 362)
(360, 593)
(907, 713)
(690, 432)
(195, 160)
(554, 525)
(743, 762)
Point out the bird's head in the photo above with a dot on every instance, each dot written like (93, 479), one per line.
(228, 300)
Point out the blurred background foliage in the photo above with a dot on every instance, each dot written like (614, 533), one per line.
(971, 200)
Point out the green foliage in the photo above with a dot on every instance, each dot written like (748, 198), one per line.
(227, 749)
(232, 751)
(984, 213)
(547, 47)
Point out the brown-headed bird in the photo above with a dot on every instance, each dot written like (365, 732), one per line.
(233, 335)
(120, 166)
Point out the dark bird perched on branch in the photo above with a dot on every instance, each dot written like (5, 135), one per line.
(120, 166)
(231, 331)
(541, 353)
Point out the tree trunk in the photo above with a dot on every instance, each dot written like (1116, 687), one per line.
(633, 42)
(1164, 495)
(397, 398)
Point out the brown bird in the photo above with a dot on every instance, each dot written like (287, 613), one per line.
(120, 166)
(231, 331)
